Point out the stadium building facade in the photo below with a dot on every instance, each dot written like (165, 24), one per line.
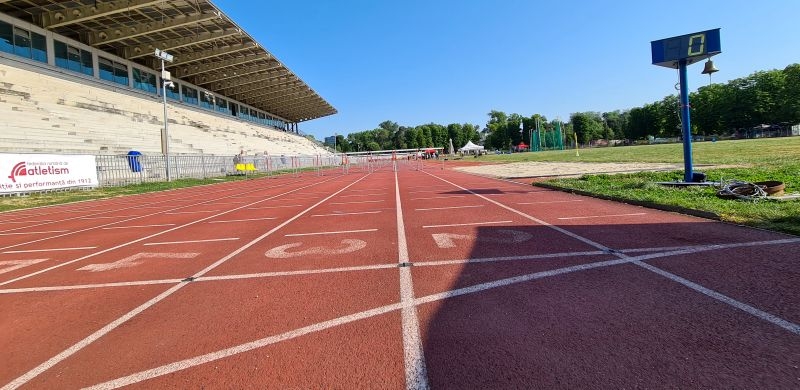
(76, 49)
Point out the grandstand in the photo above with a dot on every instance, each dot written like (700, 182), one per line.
(80, 77)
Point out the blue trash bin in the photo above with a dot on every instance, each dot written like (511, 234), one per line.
(133, 161)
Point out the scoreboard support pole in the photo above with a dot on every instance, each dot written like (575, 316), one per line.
(686, 125)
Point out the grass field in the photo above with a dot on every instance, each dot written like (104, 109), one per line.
(755, 160)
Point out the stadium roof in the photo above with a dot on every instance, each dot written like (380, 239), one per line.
(210, 50)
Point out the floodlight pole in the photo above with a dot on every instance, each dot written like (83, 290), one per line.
(163, 56)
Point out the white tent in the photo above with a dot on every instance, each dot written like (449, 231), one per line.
(470, 147)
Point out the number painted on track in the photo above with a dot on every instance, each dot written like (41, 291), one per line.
(502, 236)
(132, 261)
(17, 264)
(346, 246)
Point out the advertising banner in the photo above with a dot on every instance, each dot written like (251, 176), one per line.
(39, 172)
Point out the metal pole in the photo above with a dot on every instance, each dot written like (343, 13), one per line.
(685, 123)
(165, 134)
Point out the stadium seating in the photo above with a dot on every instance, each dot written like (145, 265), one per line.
(46, 114)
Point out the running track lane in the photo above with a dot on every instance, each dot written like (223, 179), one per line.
(562, 311)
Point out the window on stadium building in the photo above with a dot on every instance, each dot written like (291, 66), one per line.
(174, 92)
(190, 95)
(145, 81)
(207, 100)
(113, 71)
(73, 58)
(222, 106)
(22, 42)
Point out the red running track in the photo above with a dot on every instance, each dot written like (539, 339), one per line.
(419, 278)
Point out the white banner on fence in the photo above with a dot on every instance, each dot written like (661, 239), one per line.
(38, 172)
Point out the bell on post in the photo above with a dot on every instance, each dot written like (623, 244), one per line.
(710, 68)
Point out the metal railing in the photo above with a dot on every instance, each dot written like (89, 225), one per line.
(119, 170)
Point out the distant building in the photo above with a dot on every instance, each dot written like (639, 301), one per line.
(330, 141)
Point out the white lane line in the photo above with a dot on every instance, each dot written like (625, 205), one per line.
(340, 214)
(295, 273)
(791, 327)
(660, 249)
(336, 232)
(553, 201)
(604, 216)
(440, 197)
(191, 241)
(466, 224)
(244, 220)
(359, 195)
(370, 189)
(138, 226)
(213, 356)
(625, 258)
(88, 286)
(413, 354)
(363, 201)
(36, 371)
(102, 217)
(192, 212)
(449, 208)
(52, 250)
(221, 354)
(509, 258)
(274, 207)
(19, 233)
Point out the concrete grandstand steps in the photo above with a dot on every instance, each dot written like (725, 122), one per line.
(73, 115)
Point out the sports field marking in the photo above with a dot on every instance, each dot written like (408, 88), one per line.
(295, 273)
(134, 260)
(100, 217)
(359, 195)
(138, 226)
(552, 201)
(625, 258)
(788, 325)
(413, 354)
(274, 207)
(509, 258)
(440, 197)
(449, 208)
(466, 224)
(244, 220)
(221, 354)
(192, 241)
(370, 189)
(333, 232)
(192, 212)
(21, 222)
(604, 216)
(159, 213)
(88, 286)
(33, 373)
(341, 214)
(12, 265)
(350, 246)
(52, 249)
(359, 202)
(133, 241)
(45, 232)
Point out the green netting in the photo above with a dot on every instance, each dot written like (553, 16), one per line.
(547, 139)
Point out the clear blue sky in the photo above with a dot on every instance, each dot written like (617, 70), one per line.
(452, 61)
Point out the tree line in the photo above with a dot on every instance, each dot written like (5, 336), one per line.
(389, 135)
(764, 97)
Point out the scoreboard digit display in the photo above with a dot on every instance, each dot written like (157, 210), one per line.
(690, 47)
